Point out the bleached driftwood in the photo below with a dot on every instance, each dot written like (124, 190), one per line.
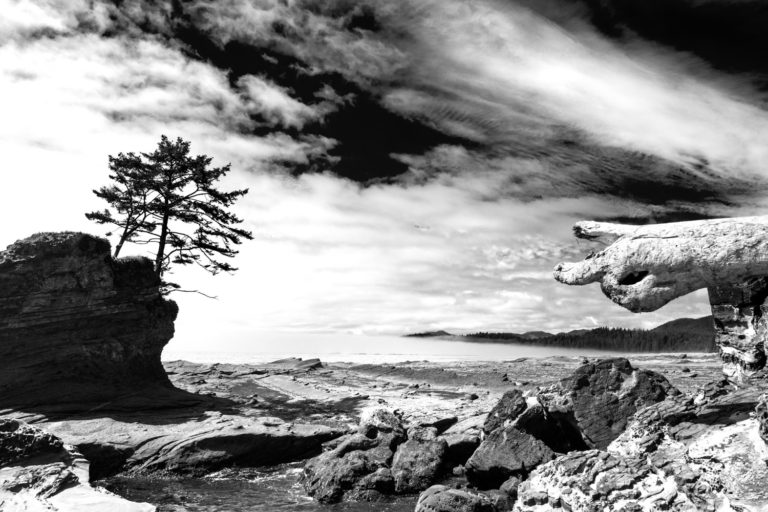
(645, 267)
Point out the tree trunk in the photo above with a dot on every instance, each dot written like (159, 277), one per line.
(161, 245)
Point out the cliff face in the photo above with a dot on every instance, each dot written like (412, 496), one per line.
(76, 325)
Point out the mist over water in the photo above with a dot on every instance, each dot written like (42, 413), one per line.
(260, 347)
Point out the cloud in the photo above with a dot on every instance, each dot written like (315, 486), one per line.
(511, 74)
(465, 241)
(69, 99)
(332, 256)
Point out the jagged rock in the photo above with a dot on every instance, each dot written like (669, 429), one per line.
(419, 461)
(645, 267)
(600, 397)
(380, 458)
(39, 472)
(20, 441)
(76, 325)
(510, 487)
(594, 480)
(505, 452)
(341, 473)
(440, 498)
(740, 329)
(511, 405)
(380, 419)
(761, 415)
(707, 444)
(588, 409)
(355, 469)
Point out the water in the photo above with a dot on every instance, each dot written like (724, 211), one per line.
(263, 490)
(278, 489)
(265, 347)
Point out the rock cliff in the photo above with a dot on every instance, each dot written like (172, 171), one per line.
(77, 327)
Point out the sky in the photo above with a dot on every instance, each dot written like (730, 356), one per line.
(412, 164)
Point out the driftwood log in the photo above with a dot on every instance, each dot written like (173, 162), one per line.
(645, 267)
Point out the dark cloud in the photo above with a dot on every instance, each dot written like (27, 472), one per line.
(381, 87)
(729, 34)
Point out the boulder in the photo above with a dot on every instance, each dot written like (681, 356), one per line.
(77, 327)
(505, 452)
(359, 467)
(440, 498)
(379, 459)
(39, 472)
(419, 461)
(588, 409)
(598, 398)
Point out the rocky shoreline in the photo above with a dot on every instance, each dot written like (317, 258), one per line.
(84, 396)
(261, 415)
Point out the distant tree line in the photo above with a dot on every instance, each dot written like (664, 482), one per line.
(604, 338)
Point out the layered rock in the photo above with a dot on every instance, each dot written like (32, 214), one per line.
(645, 267)
(78, 327)
(39, 472)
(740, 329)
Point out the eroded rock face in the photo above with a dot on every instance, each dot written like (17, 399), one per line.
(644, 267)
(686, 453)
(39, 472)
(596, 480)
(76, 325)
(740, 329)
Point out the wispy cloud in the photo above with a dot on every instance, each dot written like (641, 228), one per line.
(465, 240)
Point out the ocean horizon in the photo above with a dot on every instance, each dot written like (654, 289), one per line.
(359, 348)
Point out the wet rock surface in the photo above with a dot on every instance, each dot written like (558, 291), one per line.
(379, 459)
(39, 472)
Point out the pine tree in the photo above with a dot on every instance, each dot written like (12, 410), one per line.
(169, 199)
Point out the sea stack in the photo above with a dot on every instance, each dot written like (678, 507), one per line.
(78, 328)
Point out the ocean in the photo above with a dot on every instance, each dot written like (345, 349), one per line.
(352, 348)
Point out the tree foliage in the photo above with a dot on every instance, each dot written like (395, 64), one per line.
(604, 338)
(170, 200)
